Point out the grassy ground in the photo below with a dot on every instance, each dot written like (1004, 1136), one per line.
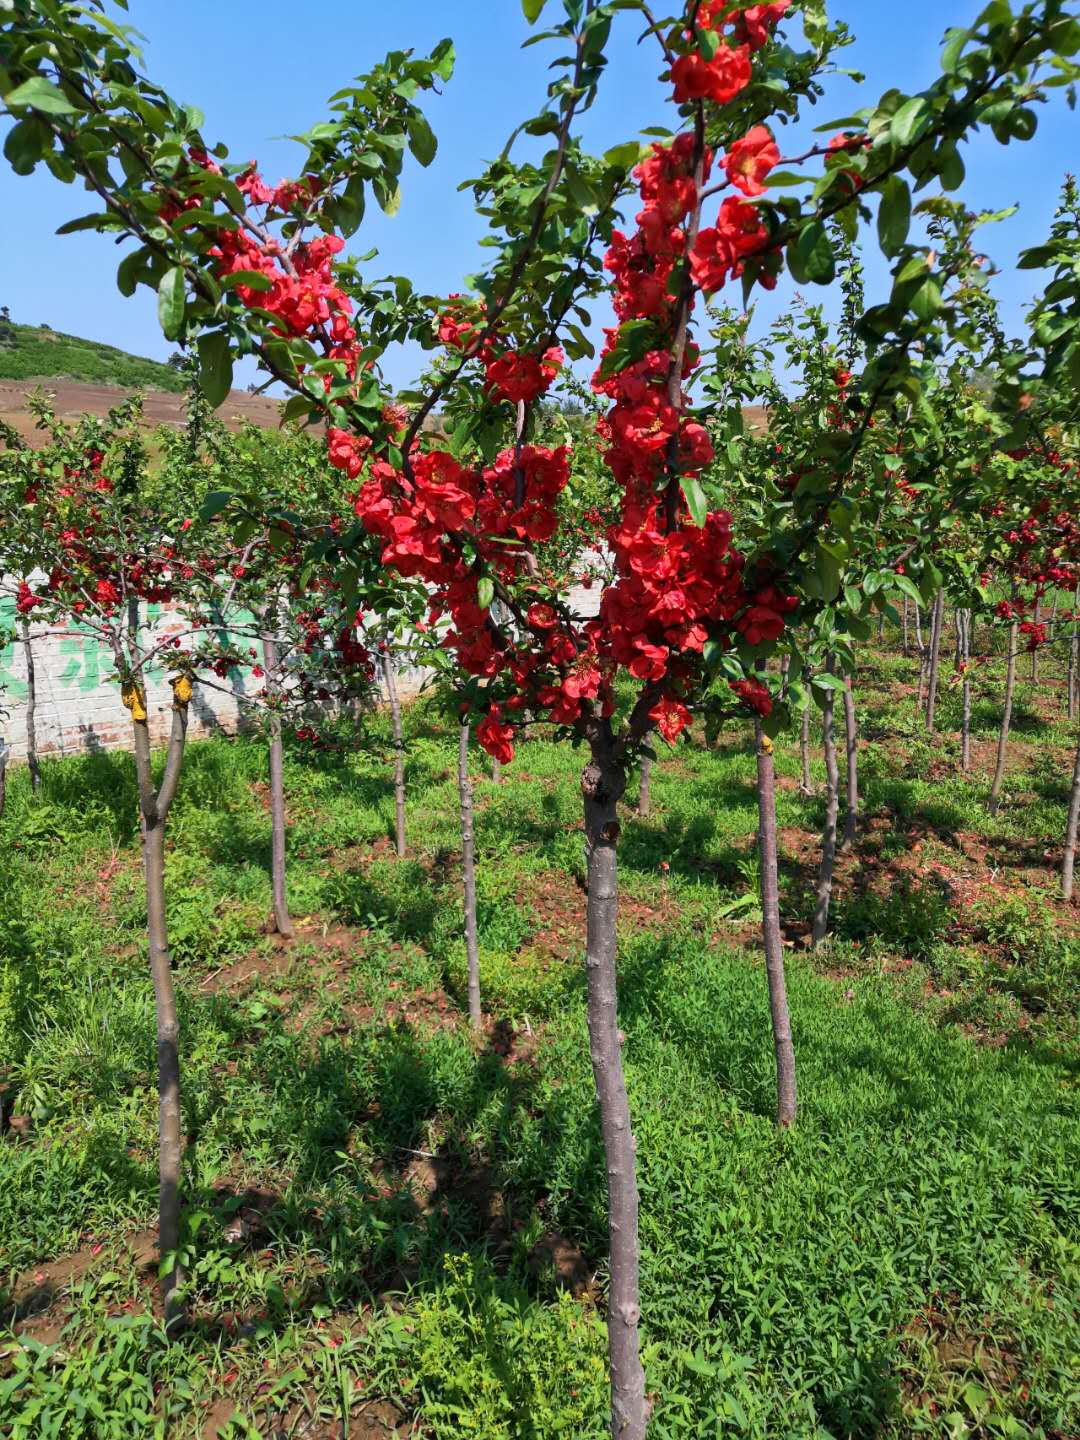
(36, 353)
(396, 1230)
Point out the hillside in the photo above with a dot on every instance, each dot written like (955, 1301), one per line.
(29, 352)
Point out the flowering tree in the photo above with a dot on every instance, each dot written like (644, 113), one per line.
(243, 267)
(95, 540)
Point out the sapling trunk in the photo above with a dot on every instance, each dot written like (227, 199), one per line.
(1006, 720)
(272, 663)
(851, 750)
(937, 626)
(921, 644)
(1072, 827)
(1035, 653)
(496, 770)
(1073, 703)
(907, 641)
(390, 676)
(468, 866)
(644, 795)
(820, 927)
(965, 717)
(771, 934)
(1069, 863)
(31, 710)
(602, 783)
(153, 810)
(806, 785)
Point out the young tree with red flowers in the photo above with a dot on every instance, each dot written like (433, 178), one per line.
(233, 265)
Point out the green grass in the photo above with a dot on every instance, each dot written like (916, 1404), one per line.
(39, 353)
(906, 1262)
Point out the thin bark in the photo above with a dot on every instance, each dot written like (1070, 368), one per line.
(965, 719)
(1035, 653)
(154, 809)
(1069, 862)
(496, 770)
(1006, 720)
(644, 794)
(771, 934)
(921, 644)
(820, 926)
(271, 663)
(468, 863)
(390, 676)
(1073, 703)
(602, 785)
(31, 710)
(851, 748)
(938, 625)
(806, 785)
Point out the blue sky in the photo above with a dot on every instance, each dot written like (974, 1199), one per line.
(261, 72)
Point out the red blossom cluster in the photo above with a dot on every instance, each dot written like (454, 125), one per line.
(677, 585)
(1041, 547)
(719, 71)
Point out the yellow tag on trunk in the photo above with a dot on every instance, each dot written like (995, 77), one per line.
(182, 689)
(766, 744)
(134, 700)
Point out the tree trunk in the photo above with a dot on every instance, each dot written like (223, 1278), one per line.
(154, 808)
(771, 934)
(938, 625)
(921, 644)
(31, 710)
(1069, 862)
(468, 862)
(820, 926)
(271, 663)
(1073, 703)
(907, 639)
(390, 675)
(965, 720)
(1006, 720)
(1035, 653)
(851, 747)
(806, 786)
(644, 796)
(602, 785)
(496, 770)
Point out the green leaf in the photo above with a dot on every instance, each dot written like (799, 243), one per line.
(422, 141)
(909, 121)
(907, 587)
(215, 503)
(894, 217)
(533, 9)
(127, 272)
(26, 142)
(815, 252)
(98, 221)
(253, 279)
(485, 592)
(442, 59)
(215, 366)
(171, 302)
(41, 94)
(695, 498)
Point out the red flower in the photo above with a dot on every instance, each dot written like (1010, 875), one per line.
(754, 25)
(495, 737)
(750, 159)
(721, 249)
(671, 718)
(719, 79)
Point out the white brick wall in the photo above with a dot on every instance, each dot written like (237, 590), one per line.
(78, 707)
